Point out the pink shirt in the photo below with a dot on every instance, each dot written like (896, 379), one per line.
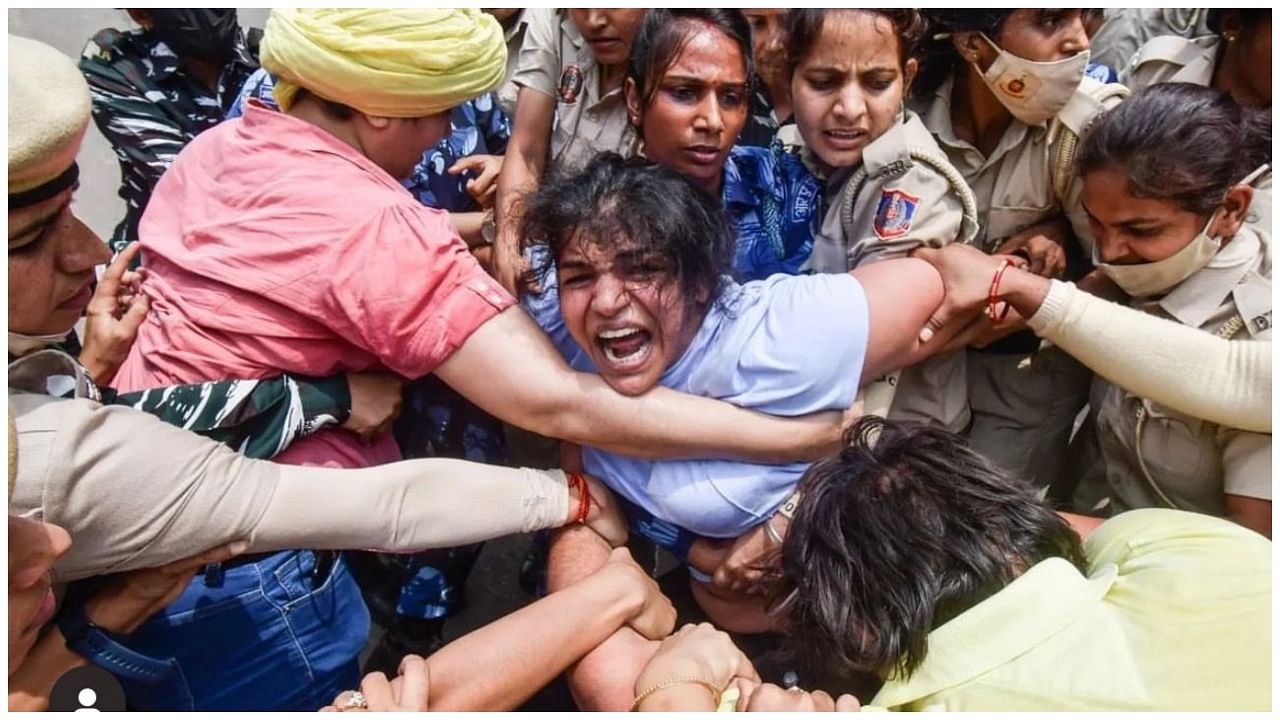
(271, 246)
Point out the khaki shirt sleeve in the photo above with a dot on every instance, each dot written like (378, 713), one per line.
(895, 216)
(1246, 464)
(540, 62)
(131, 490)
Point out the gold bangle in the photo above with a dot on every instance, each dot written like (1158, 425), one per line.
(676, 682)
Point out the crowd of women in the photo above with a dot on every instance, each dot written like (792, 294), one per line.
(933, 360)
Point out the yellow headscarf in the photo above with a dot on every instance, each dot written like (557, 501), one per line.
(401, 63)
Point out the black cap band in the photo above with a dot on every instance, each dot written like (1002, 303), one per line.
(37, 195)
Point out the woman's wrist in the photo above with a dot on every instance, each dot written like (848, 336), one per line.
(1023, 290)
(687, 696)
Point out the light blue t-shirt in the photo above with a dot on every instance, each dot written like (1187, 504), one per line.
(787, 345)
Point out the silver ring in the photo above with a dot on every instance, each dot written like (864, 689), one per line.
(355, 701)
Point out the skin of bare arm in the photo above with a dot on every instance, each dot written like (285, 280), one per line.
(522, 652)
(522, 169)
(548, 398)
(601, 680)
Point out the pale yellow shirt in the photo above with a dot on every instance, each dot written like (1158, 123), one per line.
(1174, 613)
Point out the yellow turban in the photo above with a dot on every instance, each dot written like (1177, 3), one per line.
(398, 63)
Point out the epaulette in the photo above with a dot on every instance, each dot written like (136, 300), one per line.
(1090, 100)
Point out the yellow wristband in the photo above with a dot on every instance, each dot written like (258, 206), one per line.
(676, 682)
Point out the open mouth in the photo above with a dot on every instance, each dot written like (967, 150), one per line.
(703, 154)
(625, 348)
(846, 139)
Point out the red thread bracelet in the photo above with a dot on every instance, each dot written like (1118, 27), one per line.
(584, 496)
(993, 296)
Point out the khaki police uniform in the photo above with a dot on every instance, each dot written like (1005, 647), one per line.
(1125, 30)
(1172, 58)
(1155, 457)
(1024, 394)
(904, 195)
(557, 62)
(509, 91)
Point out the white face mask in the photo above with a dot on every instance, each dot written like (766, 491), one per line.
(1154, 278)
(20, 344)
(1032, 91)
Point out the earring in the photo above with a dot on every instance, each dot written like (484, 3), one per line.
(1231, 37)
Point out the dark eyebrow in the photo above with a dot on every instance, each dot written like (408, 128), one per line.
(698, 81)
(634, 256)
(573, 265)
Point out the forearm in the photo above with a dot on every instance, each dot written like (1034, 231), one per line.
(31, 683)
(1187, 369)
(469, 226)
(602, 680)
(521, 171)
(410, 505)
(548, 398)
(499, 666)
(689, 697)
(664, 423)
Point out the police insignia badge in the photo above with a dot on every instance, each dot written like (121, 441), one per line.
(894, 214)
(570, 84)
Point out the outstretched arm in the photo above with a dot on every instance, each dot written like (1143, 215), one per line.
(499, 666)
(548, 398)
(1190, 371)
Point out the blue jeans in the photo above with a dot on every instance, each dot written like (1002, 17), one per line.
(263, 638)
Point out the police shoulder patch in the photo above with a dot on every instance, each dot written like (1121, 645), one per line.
(571, 81)
(894, 214)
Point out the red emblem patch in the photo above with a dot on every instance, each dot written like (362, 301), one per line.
(894, 214)
(570, 87)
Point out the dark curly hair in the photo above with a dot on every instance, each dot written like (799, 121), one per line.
(804, 26)
(1179, 142)
(654, 209)
(901, 531)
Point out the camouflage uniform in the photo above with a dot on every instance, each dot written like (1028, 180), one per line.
(149, 108)
(257, 418)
